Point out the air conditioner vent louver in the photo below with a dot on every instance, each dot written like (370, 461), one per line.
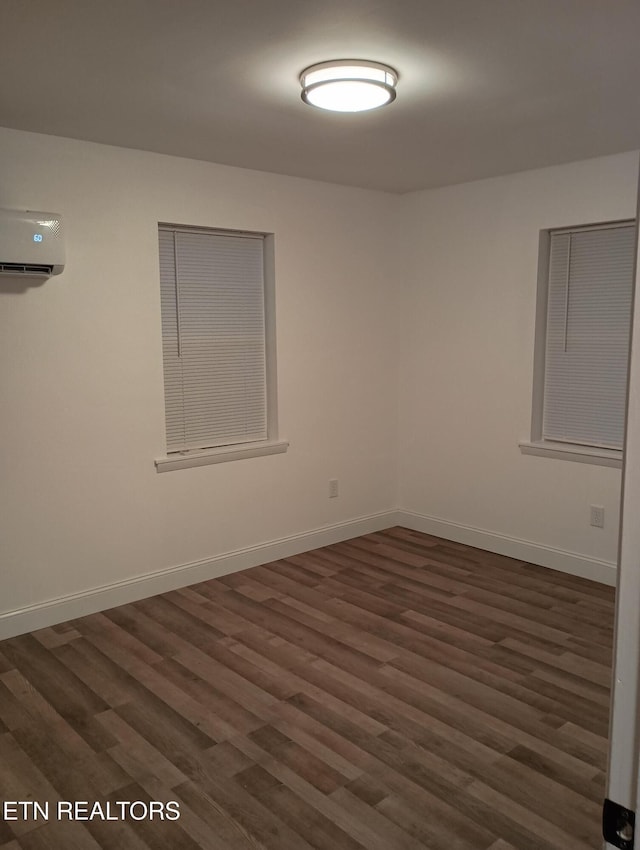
(21, 268)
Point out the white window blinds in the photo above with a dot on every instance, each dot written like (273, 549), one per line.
(587, 335)
(213, 335)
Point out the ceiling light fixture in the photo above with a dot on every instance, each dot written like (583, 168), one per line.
(348, 85)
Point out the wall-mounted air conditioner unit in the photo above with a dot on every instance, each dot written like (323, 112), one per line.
(31, 243)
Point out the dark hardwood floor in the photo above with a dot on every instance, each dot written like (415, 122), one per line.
(393, 692)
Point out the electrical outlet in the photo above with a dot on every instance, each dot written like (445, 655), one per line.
(597, 516)
(333, 488)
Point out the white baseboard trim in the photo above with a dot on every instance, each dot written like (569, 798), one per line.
(53, 611)
(523, 550)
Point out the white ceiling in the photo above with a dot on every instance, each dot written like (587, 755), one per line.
(486, 87)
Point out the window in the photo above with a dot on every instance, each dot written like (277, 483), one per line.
(218, 345)
(582, 341)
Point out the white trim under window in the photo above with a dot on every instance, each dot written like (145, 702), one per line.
(218, 339)
(585, 284)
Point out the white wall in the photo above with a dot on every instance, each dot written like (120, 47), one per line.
(82, 415)
(410, 314)
(466, 363)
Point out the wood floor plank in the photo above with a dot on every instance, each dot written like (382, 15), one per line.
(485, 724)
(474, 671)
(391, 692)
(45, 684)
(71, 836)
(357, 828)
(528, 829)
(567, 661)
(307, 821)
(154, 832)
(219, 825)
(258, 823)
(136, 755)
(311, 768)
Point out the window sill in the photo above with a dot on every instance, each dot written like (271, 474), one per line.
(219, 455)
(569, 451)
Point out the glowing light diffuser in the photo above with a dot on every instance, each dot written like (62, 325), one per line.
(348, 85)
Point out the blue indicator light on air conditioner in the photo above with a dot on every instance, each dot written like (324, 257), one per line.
(37, 237)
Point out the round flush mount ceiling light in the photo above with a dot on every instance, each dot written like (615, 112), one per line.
(348, 85)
